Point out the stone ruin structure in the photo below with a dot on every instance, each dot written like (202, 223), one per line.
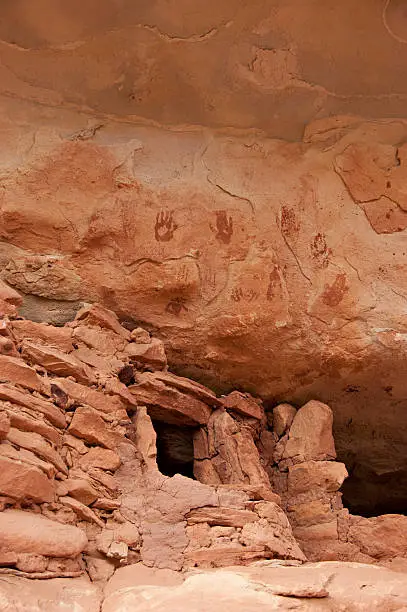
(108, 459)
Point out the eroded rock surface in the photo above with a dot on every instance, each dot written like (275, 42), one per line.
(330, 587)
(98, 474)
(270, 266)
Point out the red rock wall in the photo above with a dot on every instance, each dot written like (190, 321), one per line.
(260, 263)
(233, 177)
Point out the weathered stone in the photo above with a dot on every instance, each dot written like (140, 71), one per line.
(30, 563)
(243, 404)
(58, 337)
(104, 503)
(96, 314)
(7, 558)
(234, 554)
(277, 539)
(75, 443)
(200, 535)
(164, 545)
(16, 371)
(81, 490)
(322, 531)
(127, 533)
(25, 456)
(26, 532)
(380, 537)
(189, 386)
(7, 347)
(104, 341)
(9, 295)
(283, 416)
(106, 480)
(4, 425)
(24, 422)
(201, 445)
(38, 445)
(89, 426)
(57, 361)
(233, 452)
(310, 436)
(24, 482)
(323, 475)
(310, 512)
(140, 335)
(151, 354)
(205, 471)
(227, 517)
(85, 513)
(105, 365)
(15, 396)
(118, 550)
(99, 569)
(138, 575)
(108, 404)
(100, 458)
(167, 403)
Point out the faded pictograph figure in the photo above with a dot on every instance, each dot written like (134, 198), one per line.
(165, 226)
(246, 295)
(176, 307)
(224, 227)
(275, 284)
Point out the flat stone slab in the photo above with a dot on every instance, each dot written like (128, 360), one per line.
(26, 532)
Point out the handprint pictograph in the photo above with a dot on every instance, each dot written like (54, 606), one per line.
(224, 227)
(176, 307)
(165, 226)
(320, 251)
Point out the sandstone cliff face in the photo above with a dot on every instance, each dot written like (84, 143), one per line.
(273, 266)
(233, 180)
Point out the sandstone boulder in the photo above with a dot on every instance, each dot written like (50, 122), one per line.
(151, 354)
(57, 361)
(108, 404)
(100, 458)
(316, 475)
(221, 516)
(26, 532)
(243, 404)
(97, 315)
(283, 416)
(310, 436)
(380, 537)
(89, 426)
(81, 490)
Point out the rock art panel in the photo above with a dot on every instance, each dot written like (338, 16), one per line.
(217, 241)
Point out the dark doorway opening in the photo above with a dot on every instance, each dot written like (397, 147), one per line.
(175, 449)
